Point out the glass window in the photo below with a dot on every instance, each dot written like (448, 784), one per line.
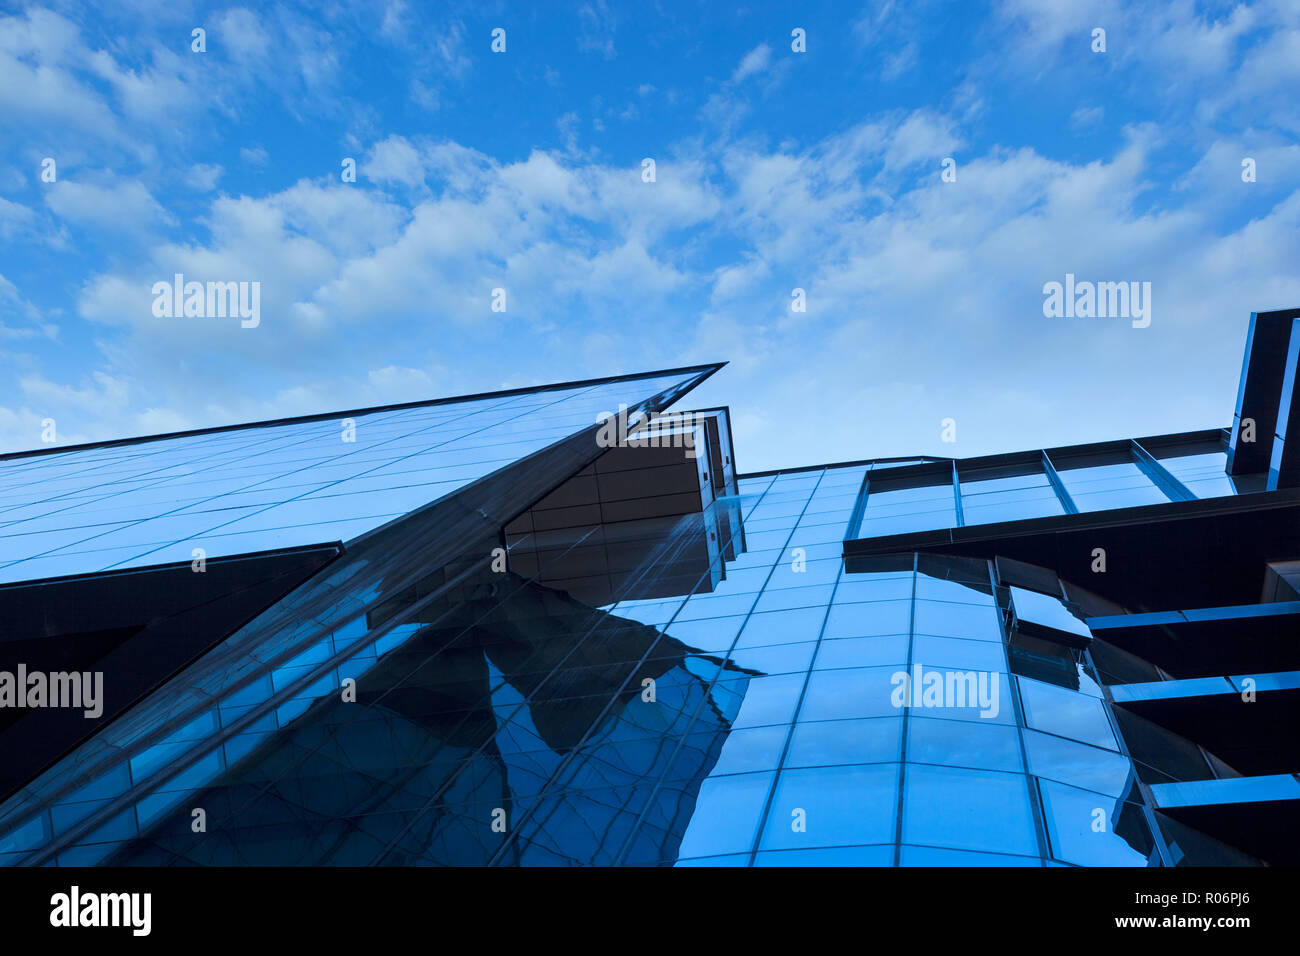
(968, 810)
(726, 814)
(1120, 484)
(1047, 611)
(777, 658)
(829, 856)
(730, 859)
(1204, 475)
(982, 746)
(751, 748)
(713, 635)
(859, 588)
(1002, 497)
(957, 652)
(833, 806)
(788, 598)
(1078, 764)
(960, 695)
(954, 592)
(782, 627)
(770, 700)
(1090, 829)
(935, 856)
(868, 620)
(841, 694)
(1066, 713)
(830, 742)
(896, 510)
(975, 622)
(715, 605)
(863, 652)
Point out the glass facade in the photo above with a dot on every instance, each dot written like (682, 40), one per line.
(275, 486)
(774, 734)
(511, 643)
(903, 499)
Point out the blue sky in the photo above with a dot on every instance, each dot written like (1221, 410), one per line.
(522, 170)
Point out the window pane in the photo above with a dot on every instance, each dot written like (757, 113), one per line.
(840, 806)
(726, 815)
(968, 810)
(900, 510)
(1008, 498)
(1066, 713)
(1076, 837)
(1118, 485)
(1203, 475)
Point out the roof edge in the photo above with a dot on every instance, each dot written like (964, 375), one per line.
(706, 370)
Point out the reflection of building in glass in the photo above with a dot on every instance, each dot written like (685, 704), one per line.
(466, 632)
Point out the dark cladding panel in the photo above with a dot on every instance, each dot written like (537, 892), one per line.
(136, 628)
(1262, 373)
(590, 536)
(1284, 463)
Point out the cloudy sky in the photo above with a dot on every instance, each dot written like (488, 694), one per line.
(523, 170)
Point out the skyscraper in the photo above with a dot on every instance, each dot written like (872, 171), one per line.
(558, 626)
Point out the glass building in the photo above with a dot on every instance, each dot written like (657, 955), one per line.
(556, 626)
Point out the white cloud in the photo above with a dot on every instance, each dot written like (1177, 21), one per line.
(597, 29)
(755, 61)
(114, 206)
(204, 176)
(253, 156)
(16, 309)
(380, 290)
(1087, 117)
(15, 218)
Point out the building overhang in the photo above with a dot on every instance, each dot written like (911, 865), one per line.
(1154, 555)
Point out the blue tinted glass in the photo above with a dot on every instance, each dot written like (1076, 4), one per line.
(781, 627)
(1077, 764)
(1120, 485)
(862, 652)
(908, 509)
(829, 856)
(867, 620)
(770, 700)
(968, 810)
(832, 806)
(1008, 499)
(352, 479)
(1203, 475)
(831, 742)
(726, 814)
(953, 592)
(789, 598)
(1089, 829)
(730, 859)
(777, 659)
(959, 653)
(944, 619)
(982, 746)
(937, 856)
(1066, 713)
(869, 587)
(841, 694)
(749, 749)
